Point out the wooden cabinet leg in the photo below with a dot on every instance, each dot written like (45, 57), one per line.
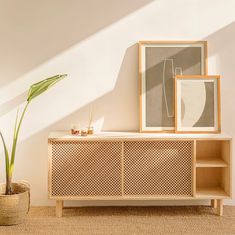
(220, 207)
(214, 203)
(59, 208)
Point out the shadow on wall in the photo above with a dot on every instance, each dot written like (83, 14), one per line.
(114, 105)
(54, 26)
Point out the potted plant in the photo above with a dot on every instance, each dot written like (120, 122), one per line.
(15, 197)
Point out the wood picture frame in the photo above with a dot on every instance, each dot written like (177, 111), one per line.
(189, 57)
(197, 104)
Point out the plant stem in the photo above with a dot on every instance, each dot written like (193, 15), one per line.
(6, 156)
(9, 173)
(8, 185)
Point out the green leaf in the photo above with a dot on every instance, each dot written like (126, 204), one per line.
(6, 154)
(40, 87)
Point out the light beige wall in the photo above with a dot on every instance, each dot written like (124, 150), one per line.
(95, 42)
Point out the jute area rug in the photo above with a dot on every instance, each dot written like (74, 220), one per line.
(126, 220)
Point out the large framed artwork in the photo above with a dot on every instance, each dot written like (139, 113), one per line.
(197, 104)
(159, 63)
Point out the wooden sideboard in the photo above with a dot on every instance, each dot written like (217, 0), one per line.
(140, 166)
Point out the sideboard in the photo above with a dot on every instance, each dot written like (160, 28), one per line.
(140, 166)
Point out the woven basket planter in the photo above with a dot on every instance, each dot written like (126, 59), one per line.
(14, 208)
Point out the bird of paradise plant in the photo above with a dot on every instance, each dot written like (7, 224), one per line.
(34, 91)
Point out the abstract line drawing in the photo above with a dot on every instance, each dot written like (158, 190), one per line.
(193, 100)
(169, 113)
(174, 71)
(197, 100)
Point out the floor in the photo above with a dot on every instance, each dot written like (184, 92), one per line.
(126, 220)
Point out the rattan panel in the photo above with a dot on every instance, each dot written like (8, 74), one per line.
(158, 168)
(86, 168)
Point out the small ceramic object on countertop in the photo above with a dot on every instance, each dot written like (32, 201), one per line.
(90, 130)
(84, 132)
(75, 130)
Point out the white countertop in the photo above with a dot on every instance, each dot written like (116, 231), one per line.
(65, 135)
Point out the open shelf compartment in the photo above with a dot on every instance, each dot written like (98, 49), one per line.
(212, 153)
(212, 182)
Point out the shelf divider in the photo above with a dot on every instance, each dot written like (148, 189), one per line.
(211, 192)
(211, 163)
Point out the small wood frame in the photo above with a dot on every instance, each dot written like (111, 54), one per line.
(197, 104)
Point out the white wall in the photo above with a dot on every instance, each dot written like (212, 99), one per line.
(95, 42)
